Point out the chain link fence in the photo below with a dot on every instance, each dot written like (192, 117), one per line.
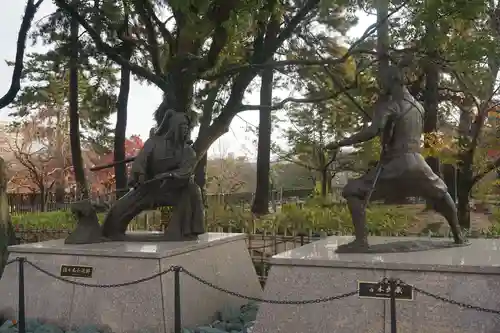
(177, 270)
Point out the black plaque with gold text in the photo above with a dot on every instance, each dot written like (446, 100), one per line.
(76, 271)
(383, 291)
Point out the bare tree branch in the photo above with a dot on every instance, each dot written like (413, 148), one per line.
(281, 104)
(231, 70)
(110, 51)
(152, 45)
(15, 85)
(219, 13)
(167, 36)
(489, 168)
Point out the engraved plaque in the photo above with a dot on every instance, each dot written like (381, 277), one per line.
(383, 291)
(76, 271)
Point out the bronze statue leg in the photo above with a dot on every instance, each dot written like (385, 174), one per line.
(355, 192)
(433, 188)
(198, 212)
(187, 221)
(124, 210)
(446, 207)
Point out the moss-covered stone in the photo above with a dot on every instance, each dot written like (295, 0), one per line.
(231, 320)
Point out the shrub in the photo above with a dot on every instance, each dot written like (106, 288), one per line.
(44, 220)
(228, 217)
(494, 229)
(334, 218)
(315, 215)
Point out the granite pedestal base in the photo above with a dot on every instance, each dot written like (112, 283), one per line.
(466, 274)
(222, 259)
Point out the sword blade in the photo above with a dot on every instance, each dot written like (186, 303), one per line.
(374, 183)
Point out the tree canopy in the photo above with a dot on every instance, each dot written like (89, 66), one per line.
(206, 56)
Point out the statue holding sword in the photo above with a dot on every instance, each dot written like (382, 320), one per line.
(401, 169)
(161, 175)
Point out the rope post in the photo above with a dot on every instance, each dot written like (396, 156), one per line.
(21, 314)
(177, 299)
(392, 286)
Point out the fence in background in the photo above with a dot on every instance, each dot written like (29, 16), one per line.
(20, 203)
(32, 202)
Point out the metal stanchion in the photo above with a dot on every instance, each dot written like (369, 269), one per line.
(177, 300)
(392, 285)
(21, 314)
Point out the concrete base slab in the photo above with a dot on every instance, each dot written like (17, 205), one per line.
(221, 259)
(466, 274)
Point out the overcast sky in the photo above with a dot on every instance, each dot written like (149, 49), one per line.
(143, 99)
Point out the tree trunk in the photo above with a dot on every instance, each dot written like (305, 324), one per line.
(7, 235)
(431, 98)
(61, 132)
(74, 118)
(121, 128)
(178, 94)
(450, 178)
(382, 41)
(324, 182)
(43, 199)
(465, 159)
(59, 192)
(463, 195)
(260, 204)
(200, 173)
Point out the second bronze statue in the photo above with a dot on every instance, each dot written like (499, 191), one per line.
(401, 169)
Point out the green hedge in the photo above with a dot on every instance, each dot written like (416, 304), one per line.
(44, 220)
(54, 220)
(315, 215)
(334, 218)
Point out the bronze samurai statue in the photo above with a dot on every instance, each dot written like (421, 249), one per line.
(401, 169)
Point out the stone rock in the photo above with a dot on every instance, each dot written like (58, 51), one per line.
(32, 324)
(48, 328)
(208, 329)
(231, 320)
(105, 329)
(248, 315)
(9, 327)
(219, 325)
(89, 329)
(6, 314)
(234, 326)
(248, 330)
(248, 327)
(230, 314)
(250, 305)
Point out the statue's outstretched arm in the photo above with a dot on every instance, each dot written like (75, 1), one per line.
(381, 116)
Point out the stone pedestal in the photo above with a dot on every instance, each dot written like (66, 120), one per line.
(467, 274)
(222, 259)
